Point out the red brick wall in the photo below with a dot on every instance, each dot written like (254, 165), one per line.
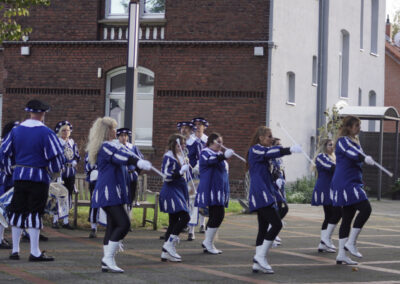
(392, 88)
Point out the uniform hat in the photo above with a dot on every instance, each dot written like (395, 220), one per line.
(123, 130)
(201, 119)
(36, 106)
(180, 124)
(61, 124)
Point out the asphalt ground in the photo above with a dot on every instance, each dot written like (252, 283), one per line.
(295, 261)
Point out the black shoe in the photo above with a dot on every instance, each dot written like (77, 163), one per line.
(162, 237)
(202, 230)
(5, 245)
(14, 256)
(43, 238)
(190, 237)
(92, 234)
(67, 226)
(55, 226)
(42, 257)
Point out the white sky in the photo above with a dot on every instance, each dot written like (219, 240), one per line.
(391, 7)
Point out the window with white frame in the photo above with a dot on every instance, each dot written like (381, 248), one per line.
(362, 25)
(115, 102)
(372, 102)
(359, 97)
(291, 88)
(374, 26)
(314, 70)
(344, 64)
(148, 8)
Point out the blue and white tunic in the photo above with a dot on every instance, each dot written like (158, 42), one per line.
(278, 173)
(174, 194)
(91, 177)
(213, 188)
(132, 170)
(71, 154)
(111, 186)
(262, 189)
(194, 148)
(347, 186)
(36, 160)
(323, 194)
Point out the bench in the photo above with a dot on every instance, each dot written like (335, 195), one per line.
(82, 198)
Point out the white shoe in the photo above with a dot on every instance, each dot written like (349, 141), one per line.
(170, 246)
(108, 263)
(351, 243)
(325, 239)
(165, 256)
(208, 243)
(342, 257)
(324, 248)
(278, 239)
(260, 262)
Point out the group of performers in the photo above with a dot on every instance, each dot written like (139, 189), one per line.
(195, 183)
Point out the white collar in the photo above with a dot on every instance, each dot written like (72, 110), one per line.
(32, 123)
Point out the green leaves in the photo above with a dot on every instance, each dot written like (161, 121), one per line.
(10, 11)
(331, 128)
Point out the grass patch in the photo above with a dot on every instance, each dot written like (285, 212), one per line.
(136, 221)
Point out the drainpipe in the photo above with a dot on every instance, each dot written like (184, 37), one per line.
(270, 47)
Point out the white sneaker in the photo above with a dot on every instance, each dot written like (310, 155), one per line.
(169, 246)
(165, 256)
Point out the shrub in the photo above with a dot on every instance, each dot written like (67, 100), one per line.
(301, 190)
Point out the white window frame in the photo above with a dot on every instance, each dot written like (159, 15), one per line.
(314, 71)
(143, 15)
(372, 123)
(139, 96)
(374, 27)
(291, 88)
(344, 65)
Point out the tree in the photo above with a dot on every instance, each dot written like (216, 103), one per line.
(10, 12)
(396, 23)
(331, 129)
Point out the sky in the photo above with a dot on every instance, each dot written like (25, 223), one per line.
(391, 7)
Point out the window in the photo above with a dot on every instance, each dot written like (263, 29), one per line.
(314, 70)
(372, 102)
(359, 97)
(115, 102)
(291, 79)
(362, 25)
(148, 8)
(374, 26)
(344, 64)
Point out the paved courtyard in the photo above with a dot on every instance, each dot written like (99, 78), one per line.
(295, 261)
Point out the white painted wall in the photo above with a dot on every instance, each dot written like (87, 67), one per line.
(295, 34)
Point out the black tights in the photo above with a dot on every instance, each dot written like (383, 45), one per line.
(216, 216)
(348, 214)
(118, 223)
(266, 216)
(283, 209)
(332, 215)
(177, 221)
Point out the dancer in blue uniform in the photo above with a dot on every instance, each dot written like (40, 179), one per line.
(200, 124)
(322, 195)
(174, 196)
(91, 177)
(262, 196)
(279, 180)
(213, 190)
(123, 135)
(348, 188)
(111, 191)
(6, 182)
(193, 147)
(33, 163)
(63, 130)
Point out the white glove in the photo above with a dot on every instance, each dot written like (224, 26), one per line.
(144, 165)
(184, 169)
(279, 182)
(296, 149)
(93, 175)
(196, 170)
(369, 161)
(76, 190)
(228, 153)
(74, 163)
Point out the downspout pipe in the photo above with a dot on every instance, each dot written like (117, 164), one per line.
(270, 47)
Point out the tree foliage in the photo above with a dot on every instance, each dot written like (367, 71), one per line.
(11, 11)
(396, 23)
(331, 128)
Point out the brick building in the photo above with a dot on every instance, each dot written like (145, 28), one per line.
(392, 73)
(196, 58)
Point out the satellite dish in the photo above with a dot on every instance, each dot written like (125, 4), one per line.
(396, 39)
(340, 104)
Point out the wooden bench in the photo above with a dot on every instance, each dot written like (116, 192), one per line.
(82, 198)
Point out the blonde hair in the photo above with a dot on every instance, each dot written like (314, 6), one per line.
(347, 124)
(99, 132)
(61, 129)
